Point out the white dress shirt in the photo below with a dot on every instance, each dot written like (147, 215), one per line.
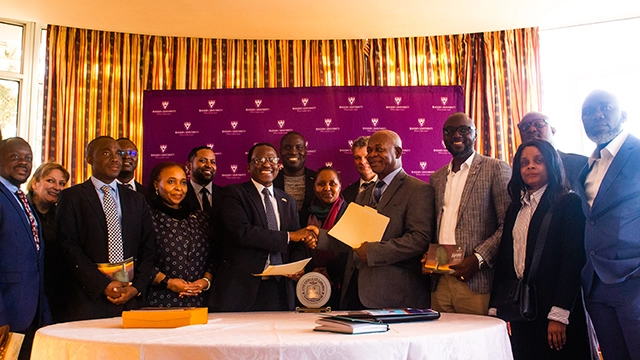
(451, 204)
(599, 163)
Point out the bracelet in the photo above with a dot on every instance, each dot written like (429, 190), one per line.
(208, 282)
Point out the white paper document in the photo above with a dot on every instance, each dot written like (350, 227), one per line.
(359, 224)
(284, 269)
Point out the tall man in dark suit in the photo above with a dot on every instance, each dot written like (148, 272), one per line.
(262, 228)
(23, 305)
(536, 125)
(295, 179)
(367, 176)
(129, 164)
(202, 193)
(471, 200)
(100, 222)
(611, 203)
(387, 273)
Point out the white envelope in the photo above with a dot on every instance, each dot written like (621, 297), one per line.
(359, 224)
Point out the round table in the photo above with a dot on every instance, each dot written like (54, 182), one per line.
(275, 335)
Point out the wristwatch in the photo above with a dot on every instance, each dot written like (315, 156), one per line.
(163, 283)
(481, 261)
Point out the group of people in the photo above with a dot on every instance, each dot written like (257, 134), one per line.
(110, 244)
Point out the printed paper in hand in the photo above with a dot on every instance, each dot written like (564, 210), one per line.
(284, 269)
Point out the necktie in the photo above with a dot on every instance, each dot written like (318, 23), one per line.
(365, 185)
(206, 205)
(377, 191)
(272, 223)
(129, 186)
(32, 219)
(116, 252)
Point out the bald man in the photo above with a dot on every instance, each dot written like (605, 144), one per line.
(536, 125)
(386, 274)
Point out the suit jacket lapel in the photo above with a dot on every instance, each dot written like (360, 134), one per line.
(126, 206)
(92, 197)
(614, 169)
(282, 207)
(23, 215)
(472, 176)
(256, 200)
(391, 189)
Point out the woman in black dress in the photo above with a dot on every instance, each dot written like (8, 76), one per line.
(43, 190)
(537, 186)
(183, 242)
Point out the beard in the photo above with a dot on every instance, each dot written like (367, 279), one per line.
(605, 138)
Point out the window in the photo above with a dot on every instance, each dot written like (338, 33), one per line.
(22, 64)
(579, 59)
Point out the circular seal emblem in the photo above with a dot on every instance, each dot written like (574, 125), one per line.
(313, 290)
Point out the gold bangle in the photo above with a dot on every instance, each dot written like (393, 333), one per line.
(208, 282)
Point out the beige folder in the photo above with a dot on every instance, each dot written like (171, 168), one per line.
(359, 224)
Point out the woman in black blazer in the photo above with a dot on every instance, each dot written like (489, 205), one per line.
(538, 185)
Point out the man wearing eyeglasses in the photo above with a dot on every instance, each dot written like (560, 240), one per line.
(536, 125)
(100, 223)
(471, 200)
(262, 229)
(129, 165)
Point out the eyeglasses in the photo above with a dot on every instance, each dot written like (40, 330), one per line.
(261, 161)
(538, 124)
(462, 130)
(132, 153)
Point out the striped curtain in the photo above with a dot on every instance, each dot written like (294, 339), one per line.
(95, 79)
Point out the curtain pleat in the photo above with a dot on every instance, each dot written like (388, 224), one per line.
(95, 79)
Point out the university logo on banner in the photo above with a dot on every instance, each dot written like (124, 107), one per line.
(444, 100)
(187, 125)
(351, 99)
(281, 123)
(211, 103)
(374, 121)
(350, 143)
(234, 124)
(163, 148)
(165, 104)
(421, 121)
(423, 165)
(327, 122)
(398, 100)
(328, 164)
(234, 168)
(258, 102)
(210, 146)
(305, 101)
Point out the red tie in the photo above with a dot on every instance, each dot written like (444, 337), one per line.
(32, 219)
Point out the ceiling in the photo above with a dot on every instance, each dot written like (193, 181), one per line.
(319, 19)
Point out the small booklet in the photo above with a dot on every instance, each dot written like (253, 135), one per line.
(348, 325)
(440, 257)
(122, 271)
(284, 269)
(395, 315)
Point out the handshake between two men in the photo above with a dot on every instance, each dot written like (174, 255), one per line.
(307, 235)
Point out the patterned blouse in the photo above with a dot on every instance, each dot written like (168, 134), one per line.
(183, 250)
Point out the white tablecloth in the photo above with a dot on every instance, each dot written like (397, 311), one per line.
(275, 335)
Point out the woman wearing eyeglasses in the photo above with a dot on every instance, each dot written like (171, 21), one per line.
(183, 266)
(538, 187)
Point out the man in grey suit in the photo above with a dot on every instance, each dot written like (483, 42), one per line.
(471, 200)
(387, 274)
(536, 125)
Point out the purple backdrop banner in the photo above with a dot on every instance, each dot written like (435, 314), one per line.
(230, 121)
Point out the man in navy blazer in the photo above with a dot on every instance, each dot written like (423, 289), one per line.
(23, 305)
(252, 242)
(82, 229)
(611, 203)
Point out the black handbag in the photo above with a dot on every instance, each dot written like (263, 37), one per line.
(516, 299)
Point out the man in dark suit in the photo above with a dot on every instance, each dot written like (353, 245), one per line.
(100, 222)
(367, 176)
(536, 125)
(262, 228)
(202, 193)
(387, 274)
(295, 179)
(129, 165)
(611, 199)
(471, 200)
(23, 305)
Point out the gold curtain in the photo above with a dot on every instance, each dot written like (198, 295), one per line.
(95, 79)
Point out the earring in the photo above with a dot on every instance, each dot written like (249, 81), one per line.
(157, 191)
